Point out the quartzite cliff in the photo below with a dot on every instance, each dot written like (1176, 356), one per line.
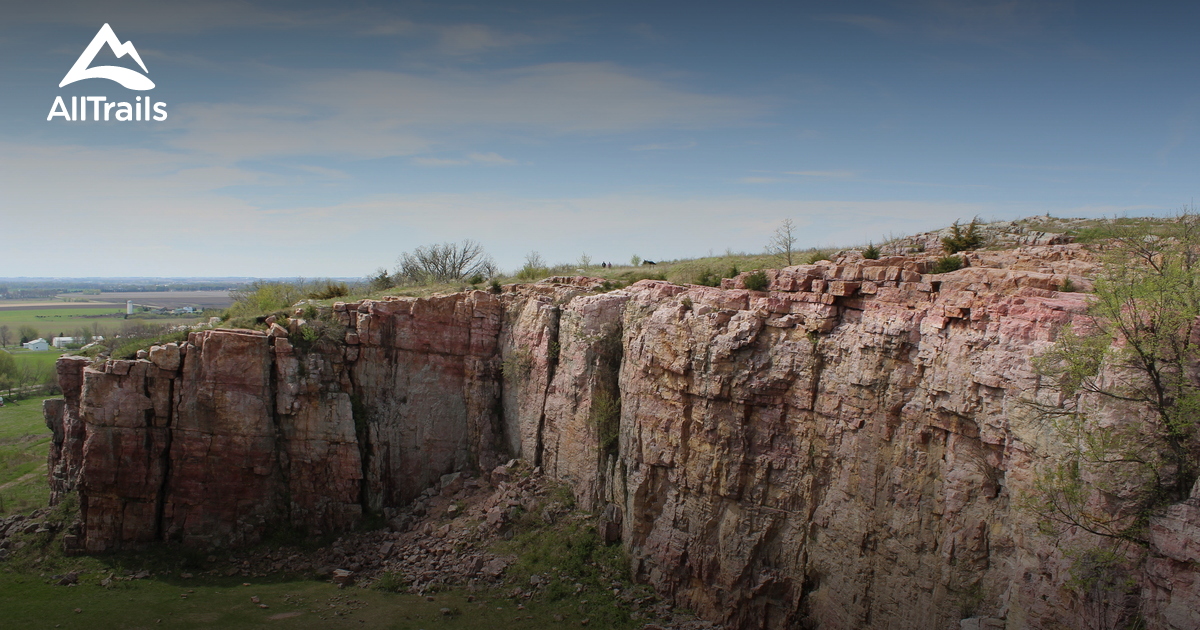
(843, 450)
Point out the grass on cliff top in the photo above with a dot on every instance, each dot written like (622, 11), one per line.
(1088, 231)
(24, 444)
(705, 271)
(708, 270)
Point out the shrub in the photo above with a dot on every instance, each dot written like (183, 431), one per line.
(313, 332)
(390, 582)
(817, 256)
(606, 419)
(871, 252)
(708, 278)
(535, 267)
(517, 365)
(757, 281)
(381, 280)
(445, 262)
(946, 264)
(329, 290)
(260, 297)
(961, 241)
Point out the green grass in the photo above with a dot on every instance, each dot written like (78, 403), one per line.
(39, 359)
(34, 315)
(49, 322)
(570, 553)
(30, 601)
(168, 600)
(24, 444)
(688, 271)
(1093, 230)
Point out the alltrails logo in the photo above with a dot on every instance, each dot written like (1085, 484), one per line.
(102, 108)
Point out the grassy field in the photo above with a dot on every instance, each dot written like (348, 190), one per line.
(40, 359)
(49, 322)
(54, 322)
(31, 601)
(709, 270)
(182, 588)
(24, 443)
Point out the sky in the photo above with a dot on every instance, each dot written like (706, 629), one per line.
(324, 139)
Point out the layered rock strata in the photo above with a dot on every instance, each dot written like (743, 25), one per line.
(842, 450)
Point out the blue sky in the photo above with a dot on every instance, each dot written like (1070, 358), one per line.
(323, 139)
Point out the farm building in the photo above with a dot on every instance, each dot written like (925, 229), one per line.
(37, 345)
(63, 342)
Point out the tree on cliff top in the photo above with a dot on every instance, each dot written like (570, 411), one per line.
(960, 240)
(445, 262)
(783, 242)
(1138, 352)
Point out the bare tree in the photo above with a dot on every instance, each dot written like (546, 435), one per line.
(445, 262)
(783, 242)
(5, 336)
(28, 333)
(535, 267)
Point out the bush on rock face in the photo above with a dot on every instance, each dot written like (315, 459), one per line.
(946, 264)
(757, 281)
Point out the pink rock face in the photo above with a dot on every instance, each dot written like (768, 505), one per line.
(225, 481)
(62, 418)
(1171, 590)
(843, 450)
(426, 381)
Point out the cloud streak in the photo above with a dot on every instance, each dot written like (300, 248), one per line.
(372, 114)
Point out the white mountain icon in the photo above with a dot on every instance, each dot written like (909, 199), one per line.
(126, 77)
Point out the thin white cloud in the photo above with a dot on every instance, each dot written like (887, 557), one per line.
(645, 32)
(322, 172)
(873, 23)
(391, 27)
(664, 146)
(433, 161)
(824, 174)
(398, 114)
(470, 39)
(484, 159)
(490, 159)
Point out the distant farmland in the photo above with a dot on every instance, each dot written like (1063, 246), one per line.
(66, 319)
(159, 299)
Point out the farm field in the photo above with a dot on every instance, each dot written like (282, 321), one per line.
(160, 299)
(40, 359)
(66, 320)
(50, 322)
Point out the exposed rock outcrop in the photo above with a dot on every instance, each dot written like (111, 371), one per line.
(843, 450)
